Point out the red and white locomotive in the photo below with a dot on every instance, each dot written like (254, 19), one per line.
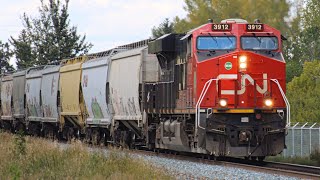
(226, 96)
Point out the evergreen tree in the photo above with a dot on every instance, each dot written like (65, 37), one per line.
(5, 56)
(49, 37)
(23, 51)
(164, 28)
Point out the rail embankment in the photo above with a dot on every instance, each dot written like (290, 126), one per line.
(24, 157)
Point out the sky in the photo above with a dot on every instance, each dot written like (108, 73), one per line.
(106, 23)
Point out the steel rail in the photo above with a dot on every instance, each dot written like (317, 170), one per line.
(292, 170)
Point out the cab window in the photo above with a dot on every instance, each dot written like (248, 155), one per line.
(259, 43)
(216, 43)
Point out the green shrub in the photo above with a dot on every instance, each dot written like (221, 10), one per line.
(315, 156)
(20, 144)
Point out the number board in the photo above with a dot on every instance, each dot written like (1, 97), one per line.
(221, 27)
(254, 27)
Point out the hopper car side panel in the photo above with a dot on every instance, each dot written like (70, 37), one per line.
(19, 81)
(49, 94)
(94, 86)
(124, 85)
(71, 95)
(6, 97)
(33, 85)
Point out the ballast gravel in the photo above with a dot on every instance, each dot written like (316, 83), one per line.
(183, 169)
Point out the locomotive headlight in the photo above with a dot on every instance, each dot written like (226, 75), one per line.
(223, 102)
(268, 102)
(243, 62)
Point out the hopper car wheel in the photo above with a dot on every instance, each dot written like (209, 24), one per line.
(95, 137)
(70, 134)
(104, 139)
(261, 158)
(7, 127)
(214, 158)
(19, 128)
(253, 158)
(88, 136)
(51, 134)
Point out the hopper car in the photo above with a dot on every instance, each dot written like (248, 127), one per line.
(218, 89)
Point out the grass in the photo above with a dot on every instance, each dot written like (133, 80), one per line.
(33, 158)
(313, 160)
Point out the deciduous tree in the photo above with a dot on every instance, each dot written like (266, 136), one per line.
(304, 41)
(272, 12)
(304, 94)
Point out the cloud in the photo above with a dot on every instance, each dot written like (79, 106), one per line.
(10, 18)
(122, 21)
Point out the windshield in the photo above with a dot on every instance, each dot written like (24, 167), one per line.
(216, 43)
(259, 43)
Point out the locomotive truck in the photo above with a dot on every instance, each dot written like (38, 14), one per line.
(218, 90)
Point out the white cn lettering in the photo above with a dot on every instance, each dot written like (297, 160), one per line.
(243, 83)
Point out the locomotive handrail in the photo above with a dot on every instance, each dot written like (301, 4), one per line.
(203, 93)
(285, 100)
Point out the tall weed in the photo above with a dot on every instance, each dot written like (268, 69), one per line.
(24, 157)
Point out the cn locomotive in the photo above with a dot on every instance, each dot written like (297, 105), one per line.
(218, 90)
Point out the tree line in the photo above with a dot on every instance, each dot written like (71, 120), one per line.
(299, 22)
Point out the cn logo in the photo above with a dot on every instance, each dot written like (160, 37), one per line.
(244, 80)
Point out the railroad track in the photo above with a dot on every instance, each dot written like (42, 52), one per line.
(291, 170)
(286, 169)
(294, 170)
